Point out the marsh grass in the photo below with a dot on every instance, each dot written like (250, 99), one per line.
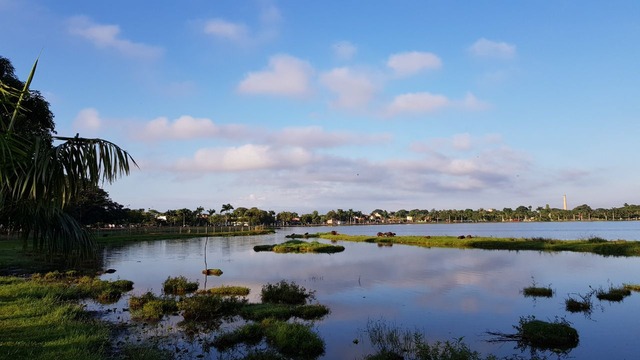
(613, 294)
(179, 285)
(203, 308)
(557, 334)
(580, 303)
(214, 272)
(392, 342)
(632, 287)
(149, 307)
(229, 291)
(259, 312)
(537, 291)
(592, 245)
(285, 292)
(41, 319)
(287, 340)
(300, 246)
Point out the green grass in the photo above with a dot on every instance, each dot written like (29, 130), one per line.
(149, 307)
(614, 294)
(179, 285)
(285, 292)
(41, 320)
(632, 287)
(229, 291)
(300, 246)
(259, 312)
(392, 342)
(547, 335)
(595, 246)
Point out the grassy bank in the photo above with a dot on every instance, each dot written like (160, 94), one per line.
(123, 237)
(41, 319)
(594, 245)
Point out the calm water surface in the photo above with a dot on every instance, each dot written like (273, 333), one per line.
(444, 293)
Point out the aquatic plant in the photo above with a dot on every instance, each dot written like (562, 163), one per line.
(580, 303)
(229, 291)
(557, 334)
(285, 292)
(214, 272)
(151, 307)
(632, 287)
(613, 293)
(537, 291)
(209, 307)
(300, 246)
(179, 285)
(392, 342)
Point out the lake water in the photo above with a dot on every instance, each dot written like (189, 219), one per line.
(444, 293)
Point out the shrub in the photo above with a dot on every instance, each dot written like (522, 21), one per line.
(150, 307)
(285, 293)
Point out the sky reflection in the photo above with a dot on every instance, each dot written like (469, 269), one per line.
(445, 293)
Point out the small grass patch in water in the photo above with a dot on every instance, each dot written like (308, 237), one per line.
(537, 291)
(540, 334)
(229, 291)
(214, 272)
(151, 307)
(209, 307)
(285, 292)
(179, 285)
(580, 303)
(287, 340)
(300, 246)
(259, 312)
(293, 340)
(613, 294)
(632, 287)
(394, 343)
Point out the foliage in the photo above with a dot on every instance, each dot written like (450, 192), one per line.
(632, 287)
(259, 312)
(151, 307)
(38, 177)
(284, 292)
(537, 291)
(613, 293)
(229, 291)
(179, 285)
(609, 248)
(293, 340)
(210, 307)
(299, 246)
(580, 303)
(557, 334)
(392, 342)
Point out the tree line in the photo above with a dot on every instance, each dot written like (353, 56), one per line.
(95, 208)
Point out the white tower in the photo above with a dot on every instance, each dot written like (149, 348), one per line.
(564, 202)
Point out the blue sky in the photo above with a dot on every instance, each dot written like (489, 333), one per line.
(319, 105)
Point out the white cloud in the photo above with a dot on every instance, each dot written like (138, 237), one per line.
(354, 89)
(239, 33)
(226, 30)
(461, 141)
(286, 75)
(108, 37)
(87, 120)
(470, 102)
(317, 137)
(183, 128)
(245, 158)
(484, 48)
(409, 63)
(417, 103)
(344, 50)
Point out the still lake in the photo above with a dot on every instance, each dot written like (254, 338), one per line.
(444, 293)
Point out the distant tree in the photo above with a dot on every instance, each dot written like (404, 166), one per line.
(93, 206)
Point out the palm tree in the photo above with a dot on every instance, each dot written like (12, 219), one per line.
(40, 172)
(225, 209)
